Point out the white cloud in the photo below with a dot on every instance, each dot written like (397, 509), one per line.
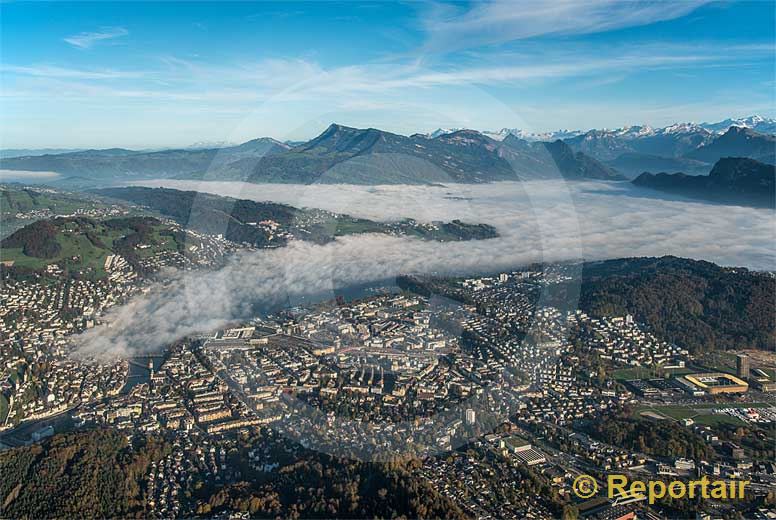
(86, 40)
(279, 80)
(538, 221)
(501, 21)
(54, 72)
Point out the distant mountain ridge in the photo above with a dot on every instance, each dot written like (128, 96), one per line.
(500, 135)
(735, 180)
(688, 149)
(673, 141)
(340, 154)
(344, 154)
(22, 152)
(763, 125)
(122, 164)
(536, 160)
(738, 142)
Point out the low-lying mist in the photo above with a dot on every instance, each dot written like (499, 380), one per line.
(539, 221)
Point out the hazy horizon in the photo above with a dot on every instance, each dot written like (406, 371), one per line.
(219, 144)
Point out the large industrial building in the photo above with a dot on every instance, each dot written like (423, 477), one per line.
(718, 383)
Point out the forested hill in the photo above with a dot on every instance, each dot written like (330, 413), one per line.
(95, 474)
(697, 305)
(99, 474)
(733, 180)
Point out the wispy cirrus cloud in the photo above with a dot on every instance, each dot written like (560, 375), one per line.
(300, 80)
(51, 71)
(501, 21)
(85, 40)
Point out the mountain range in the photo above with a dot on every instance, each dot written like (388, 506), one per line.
(343, 154)
(116, 164)
(732, 180)
(758, 123)
(632, 150)
(348, 155)
(687, 148)
(340, 154)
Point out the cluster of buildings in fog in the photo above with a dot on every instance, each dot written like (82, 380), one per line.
(486, 366)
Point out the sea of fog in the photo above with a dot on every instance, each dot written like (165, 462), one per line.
(556, 219)
(537, 221)
(27, 176)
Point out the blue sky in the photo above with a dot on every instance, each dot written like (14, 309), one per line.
(141, 75)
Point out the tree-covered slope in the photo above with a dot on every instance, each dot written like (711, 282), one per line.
(95, 474)
(697, 305)
(732, 180)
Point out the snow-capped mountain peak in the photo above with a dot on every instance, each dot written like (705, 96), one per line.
(702, 131)
(499, 135)
(441, 131)
(764, 125)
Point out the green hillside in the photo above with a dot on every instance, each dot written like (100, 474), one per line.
(21, 205)
(17, 200)
(81, 245)
(235, 218)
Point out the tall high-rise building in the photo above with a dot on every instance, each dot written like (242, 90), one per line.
(470, 416)
(742, 366)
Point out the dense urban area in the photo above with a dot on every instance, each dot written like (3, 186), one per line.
(471, 397)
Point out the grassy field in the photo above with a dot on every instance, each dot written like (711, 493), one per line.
(342, 227)
(15, 200)
(700, 413)
(3, 408)
(626, 374)
(716, 419)
(21, 200)
(719, 361)
(79, 253)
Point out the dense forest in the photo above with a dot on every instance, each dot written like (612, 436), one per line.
(93, 474)
(319, 486)
(38, 239)
(697, 305)
(655, 438)
(99, 474)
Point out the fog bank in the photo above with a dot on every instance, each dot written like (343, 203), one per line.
(537, 221)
